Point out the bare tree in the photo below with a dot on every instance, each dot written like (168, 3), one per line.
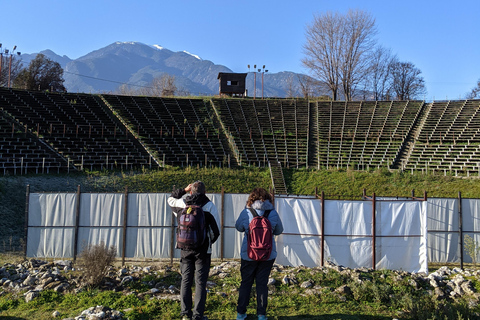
(359, 42)
(290, 87)
(166, 85)
(475, 93)
(323, 50)
(161, 87)
(379, 78)
(337, 50)
(182, 92)
(125, 90)
(307, 86)
(407, 82)
(10, 67)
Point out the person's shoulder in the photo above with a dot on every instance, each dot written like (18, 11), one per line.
(274, 213)
(243, 213)
(210, 206)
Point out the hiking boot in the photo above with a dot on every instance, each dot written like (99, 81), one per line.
(241, 316)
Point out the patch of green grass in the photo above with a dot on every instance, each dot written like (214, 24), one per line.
(9, 302)
(379, 295)
(348, 183)
(155, 309)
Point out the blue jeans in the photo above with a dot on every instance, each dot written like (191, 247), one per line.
(258, 271)
(194, 265)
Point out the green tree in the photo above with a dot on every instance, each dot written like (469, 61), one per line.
(41, 74)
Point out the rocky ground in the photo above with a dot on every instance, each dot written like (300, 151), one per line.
(32, 276)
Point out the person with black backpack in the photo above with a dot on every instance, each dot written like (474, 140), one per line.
(261, 223)
(197, 220)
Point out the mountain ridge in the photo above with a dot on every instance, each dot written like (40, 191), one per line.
(136, 65)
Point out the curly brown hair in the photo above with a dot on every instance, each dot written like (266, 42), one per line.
(258, 194)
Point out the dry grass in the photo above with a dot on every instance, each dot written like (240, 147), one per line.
(94, 261)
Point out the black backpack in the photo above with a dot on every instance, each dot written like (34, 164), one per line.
(191, 230)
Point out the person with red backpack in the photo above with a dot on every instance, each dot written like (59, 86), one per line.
(197, 219)
(261, 223)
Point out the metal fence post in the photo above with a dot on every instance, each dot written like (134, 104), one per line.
(374, 233)
(322, 239)
(222, 226)
(125, 221)
(27, 201)
(460, 228)
(77, 221)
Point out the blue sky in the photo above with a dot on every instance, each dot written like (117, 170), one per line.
(440, 37)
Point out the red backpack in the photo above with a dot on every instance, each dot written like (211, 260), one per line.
(259, 237)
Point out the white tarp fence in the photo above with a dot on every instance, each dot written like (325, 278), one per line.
(59, 226)
(444, 233)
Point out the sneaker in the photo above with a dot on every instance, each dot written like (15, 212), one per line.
(262, 317)
(186, 318)
(241, 316)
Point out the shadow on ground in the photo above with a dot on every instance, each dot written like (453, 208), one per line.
(336, 316)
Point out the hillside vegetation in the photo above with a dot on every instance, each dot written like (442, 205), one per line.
(336, 184)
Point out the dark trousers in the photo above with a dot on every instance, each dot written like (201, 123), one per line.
(258, 271)
(194, 265)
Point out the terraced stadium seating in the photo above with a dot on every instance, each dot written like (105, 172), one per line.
(364, 134)
(449, 139)
(58, 132)
(178, 131)
(267, 130)
(22, 152)
(78, 126)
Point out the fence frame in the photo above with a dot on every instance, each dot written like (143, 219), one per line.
(124, 227)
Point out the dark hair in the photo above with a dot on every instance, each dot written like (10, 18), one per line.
(258, 194)
(198, 187)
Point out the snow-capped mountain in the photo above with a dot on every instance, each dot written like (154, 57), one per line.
(137, 64)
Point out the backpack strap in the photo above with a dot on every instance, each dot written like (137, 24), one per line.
(255, 214)
(266, 213)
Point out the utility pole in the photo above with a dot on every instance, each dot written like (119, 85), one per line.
(10, 64)
(7, 54)
(263, 71)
